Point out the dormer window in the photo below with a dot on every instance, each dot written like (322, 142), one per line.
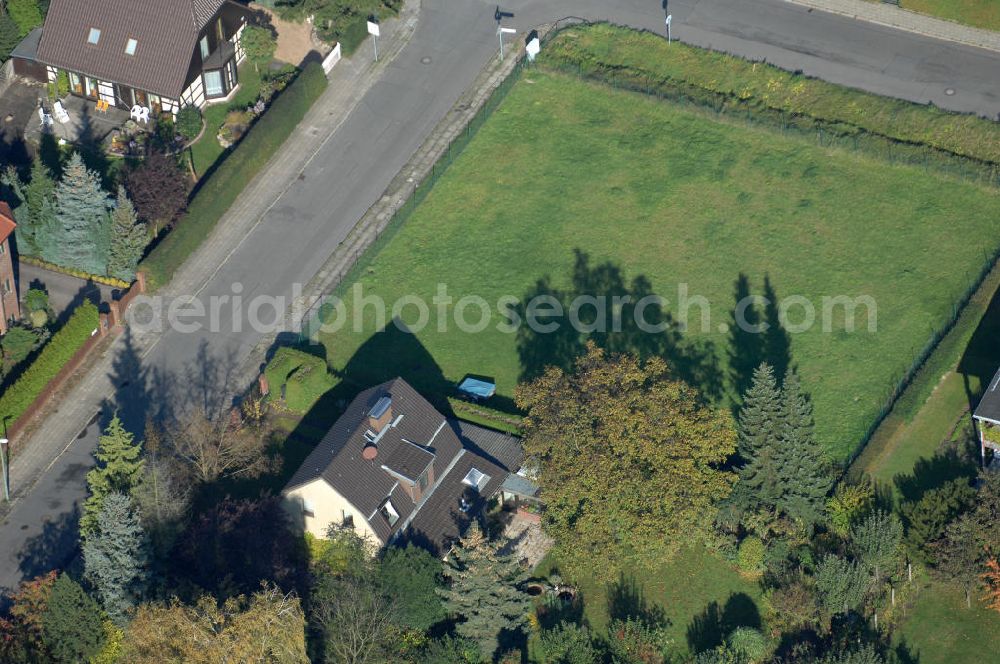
(389, 512)
(476, 479)
(94, 36)
(130, 47)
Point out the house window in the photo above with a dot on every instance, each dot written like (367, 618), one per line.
(308, 508)
(130, 46)
(389, 512)
(94, 36)
(6, 286)
(76, 83)
(213, 84)
(423, 481)
(203, 45)
(347, 518)
(476, 479)
(3, 248)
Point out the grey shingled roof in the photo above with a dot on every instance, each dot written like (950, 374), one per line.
(365, 484)
(166, 32)
(28, 48)
(409, 460)
(989, 405)
(501, 448)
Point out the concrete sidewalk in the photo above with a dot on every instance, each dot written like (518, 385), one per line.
(903, 19)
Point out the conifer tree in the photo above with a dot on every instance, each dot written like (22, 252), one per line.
(128, 239)
(36, 215)
(760, 424)
(485, 591)
(72, 630)
(82, 215)
(116, 557)
(804, 479)
(119, 470)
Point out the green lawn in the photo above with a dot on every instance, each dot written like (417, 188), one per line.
(980, 13)
(701, 595)
(940, 629)
(676, 198)
(207, 150)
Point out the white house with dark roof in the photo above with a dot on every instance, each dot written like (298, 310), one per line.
(393, 467)
(987, 416)
(160, 54)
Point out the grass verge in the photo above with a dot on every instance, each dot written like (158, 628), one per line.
(207, 150)
(221, 189)
(978, 13)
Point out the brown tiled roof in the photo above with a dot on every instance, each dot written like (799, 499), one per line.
(441, 520)
(7, 224)
(166, 32)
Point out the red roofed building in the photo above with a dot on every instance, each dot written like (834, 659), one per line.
(9, 308)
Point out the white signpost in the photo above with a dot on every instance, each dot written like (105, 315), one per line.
(670, 18)
(501, 31)
(373, 30)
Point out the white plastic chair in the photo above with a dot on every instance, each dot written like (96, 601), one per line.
(144, 114)
(135, 112)
(60, 112)
(44, 117)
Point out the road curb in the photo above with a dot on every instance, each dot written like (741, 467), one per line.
(891, 16)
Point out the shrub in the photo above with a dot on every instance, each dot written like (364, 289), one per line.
(55, 354)
(751, 554)
(748, 644)
(36, 299)
(188, 122)
(297, 377)
(18, 343)
(220, 190)
(26, 14)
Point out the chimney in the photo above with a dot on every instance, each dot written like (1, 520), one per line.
(380, 415)
(370, 452)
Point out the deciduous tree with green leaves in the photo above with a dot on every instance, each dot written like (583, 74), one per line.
(118, 470)
(411, 577)
(484, 591)
(259, 45)
(877, 541)
(116, 557)
(630, 459)
(842, 584)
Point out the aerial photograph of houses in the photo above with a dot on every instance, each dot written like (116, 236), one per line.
(540, 332)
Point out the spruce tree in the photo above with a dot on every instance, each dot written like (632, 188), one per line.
(485, 591)
(760, 425)
(116, 557)
(119, 470)
(803, 475)
(36, 214)
(72, 629)
(128, 239)
(82, 213)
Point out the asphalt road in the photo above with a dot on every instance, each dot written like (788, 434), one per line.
(453, 41)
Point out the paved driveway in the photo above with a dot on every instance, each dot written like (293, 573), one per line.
(452, 42)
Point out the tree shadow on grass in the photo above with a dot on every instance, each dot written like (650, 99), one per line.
(600, 305)
(934, 472)
(711, 627)
(627, 600)
(755, 336)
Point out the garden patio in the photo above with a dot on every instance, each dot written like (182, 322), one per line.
(86, 124)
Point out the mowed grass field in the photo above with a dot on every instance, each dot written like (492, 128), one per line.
(676, 197)
(980, 13)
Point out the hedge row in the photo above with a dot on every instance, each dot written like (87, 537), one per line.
(644, 61)
(79, 274)
(302, 378)
(55, 354)
(221, 189)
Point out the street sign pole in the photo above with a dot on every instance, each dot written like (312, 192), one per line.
(373, 30)
(670, 19)
(5, 469)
